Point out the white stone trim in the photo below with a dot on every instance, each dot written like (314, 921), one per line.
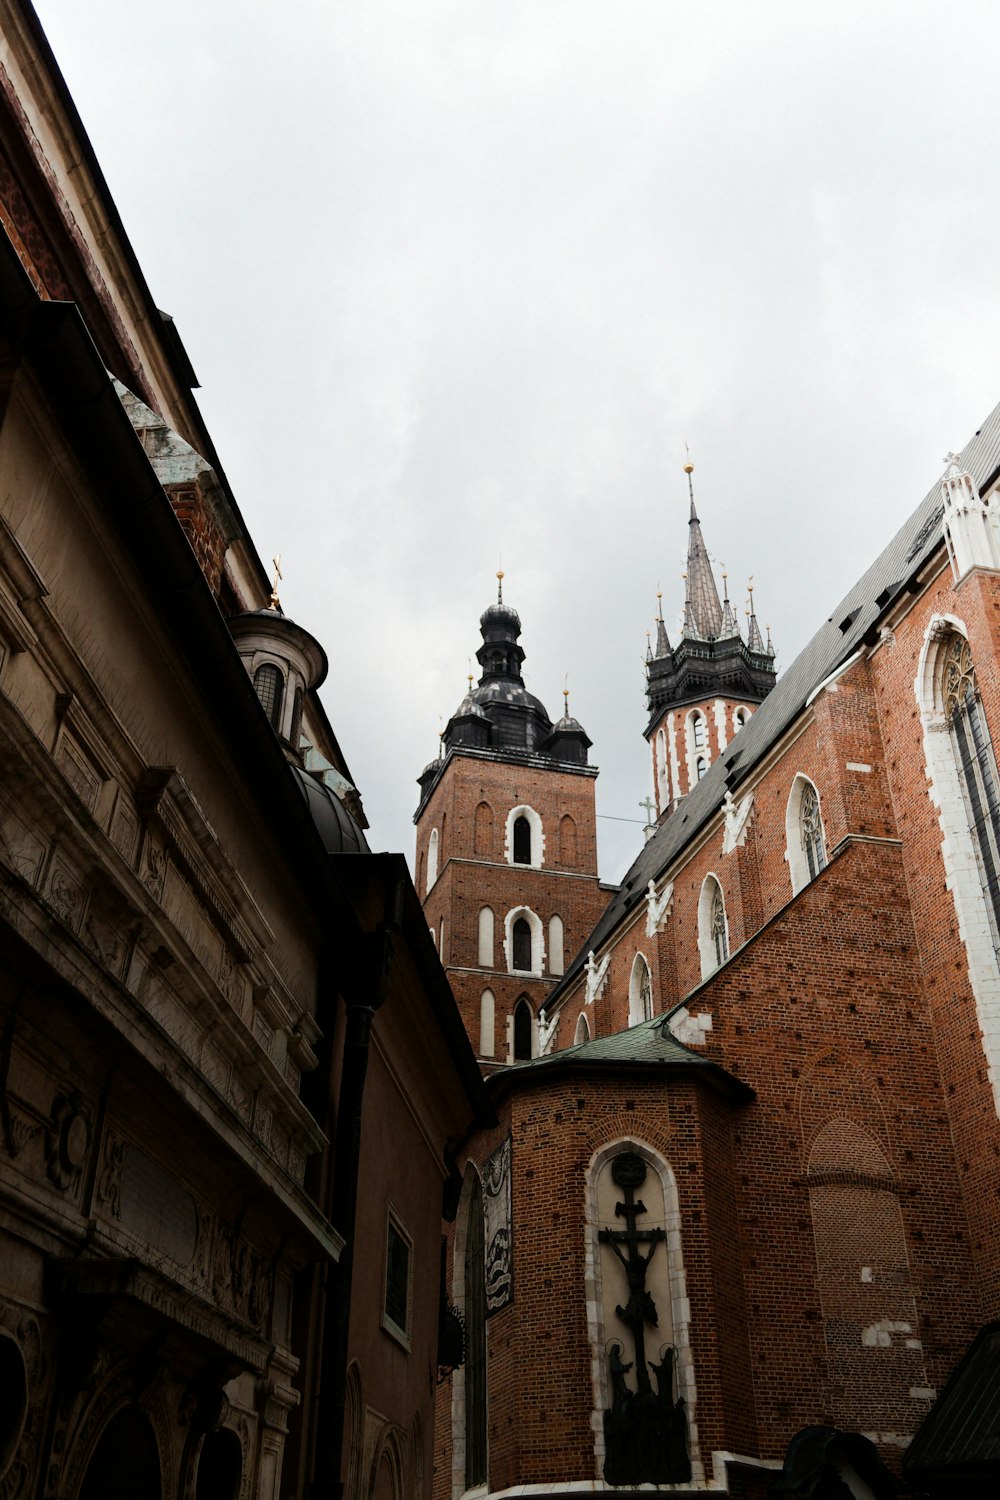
(706, 947)
(432, 861)
(486, 937)
(720, 723)
(537, 836)
(557, 945)
(675, 769)
(680, 1304)
(958, 853)
(537, 942)
(635, 1015)
(795, 854)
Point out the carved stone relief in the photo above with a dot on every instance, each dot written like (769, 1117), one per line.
(109, 1181)
(154, 864)
(66, 895)
(67, 1139)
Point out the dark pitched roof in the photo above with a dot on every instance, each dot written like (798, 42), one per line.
(839, 638)
(651, 1044)
(960, 1436)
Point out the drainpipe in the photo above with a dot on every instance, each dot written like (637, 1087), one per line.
(364, 984)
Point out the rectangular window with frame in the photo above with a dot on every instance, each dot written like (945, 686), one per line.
(398, 1280)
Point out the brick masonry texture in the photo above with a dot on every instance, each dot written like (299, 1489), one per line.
(838, 1233)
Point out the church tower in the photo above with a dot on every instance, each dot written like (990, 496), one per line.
(507, 849)
(701, 692)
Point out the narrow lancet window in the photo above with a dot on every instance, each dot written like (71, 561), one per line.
(977, 767)
(811, 828)
(522, 841)
(269, 686)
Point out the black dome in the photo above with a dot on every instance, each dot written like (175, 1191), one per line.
(334, 824)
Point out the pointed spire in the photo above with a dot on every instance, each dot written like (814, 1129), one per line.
(730, 625)
(702, 610)
(662, 643)
(755, 641)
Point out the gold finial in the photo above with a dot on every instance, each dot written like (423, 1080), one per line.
(689, 466)
(470, 682)
(275, 602)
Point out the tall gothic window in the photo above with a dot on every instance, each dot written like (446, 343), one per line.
(699, 733)
(522, 1031)
(811, 830)
(640, 992)
(720, 941)
(713, 933)
(522, 841)
(475, 1342)
(521, 943)
(977, 767)
(269, 686)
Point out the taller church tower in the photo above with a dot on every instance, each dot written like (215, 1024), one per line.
(507, 849)
(701, 692)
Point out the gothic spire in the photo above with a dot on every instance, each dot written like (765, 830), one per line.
(755, 640)
(662, 643)
(730, 624)
(702, 610)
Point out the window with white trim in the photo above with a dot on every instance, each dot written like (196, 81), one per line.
(713, 929)
(397, 1280)
(640, 992)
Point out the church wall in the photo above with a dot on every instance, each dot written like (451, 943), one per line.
(822, 1014)
(943, 934)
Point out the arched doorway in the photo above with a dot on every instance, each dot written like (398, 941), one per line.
(220, 1466)
(126, 1462)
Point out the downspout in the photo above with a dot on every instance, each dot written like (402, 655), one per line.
(365, 986)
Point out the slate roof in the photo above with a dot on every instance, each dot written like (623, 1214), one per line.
(854, 620)
(960, 1436)
(650, 1044)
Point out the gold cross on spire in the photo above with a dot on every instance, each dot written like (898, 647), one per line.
(275, 601)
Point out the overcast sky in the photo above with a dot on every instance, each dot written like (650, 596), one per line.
(460, 279)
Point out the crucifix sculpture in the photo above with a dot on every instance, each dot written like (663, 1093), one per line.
(629, 1172)
(645, 1431)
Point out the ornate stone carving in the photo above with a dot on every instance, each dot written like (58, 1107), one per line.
(658, 907)
(241, 1281)
(597, 976)
(65, 895)
(109, 1182)
(737, 822)
(154, 864)
(67, 1139)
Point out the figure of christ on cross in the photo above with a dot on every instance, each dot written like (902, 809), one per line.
(629, 1172)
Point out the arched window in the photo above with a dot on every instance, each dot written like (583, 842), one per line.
(811, 831)
(976, 764)
(700, 767)
(441, 940)
(432, 859)
(475, 1339)
(557, 960)
(523, 1029)
(524, 842)
(487, 1024)
(269, 686)
(484, 829)
(713, 932)
(640, 992)
(806, 849)
(521, 943)
(524, 942)
(567, 840)
(740, 717)
(582, 1033)
(699, 730)
(485, 951)
(295, 732)
(220, 1466)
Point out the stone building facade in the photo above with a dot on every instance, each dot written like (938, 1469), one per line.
(222, 1157)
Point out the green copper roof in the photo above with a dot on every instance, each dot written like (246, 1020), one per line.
(651, 1044)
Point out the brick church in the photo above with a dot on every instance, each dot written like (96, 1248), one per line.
(736, 1229)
